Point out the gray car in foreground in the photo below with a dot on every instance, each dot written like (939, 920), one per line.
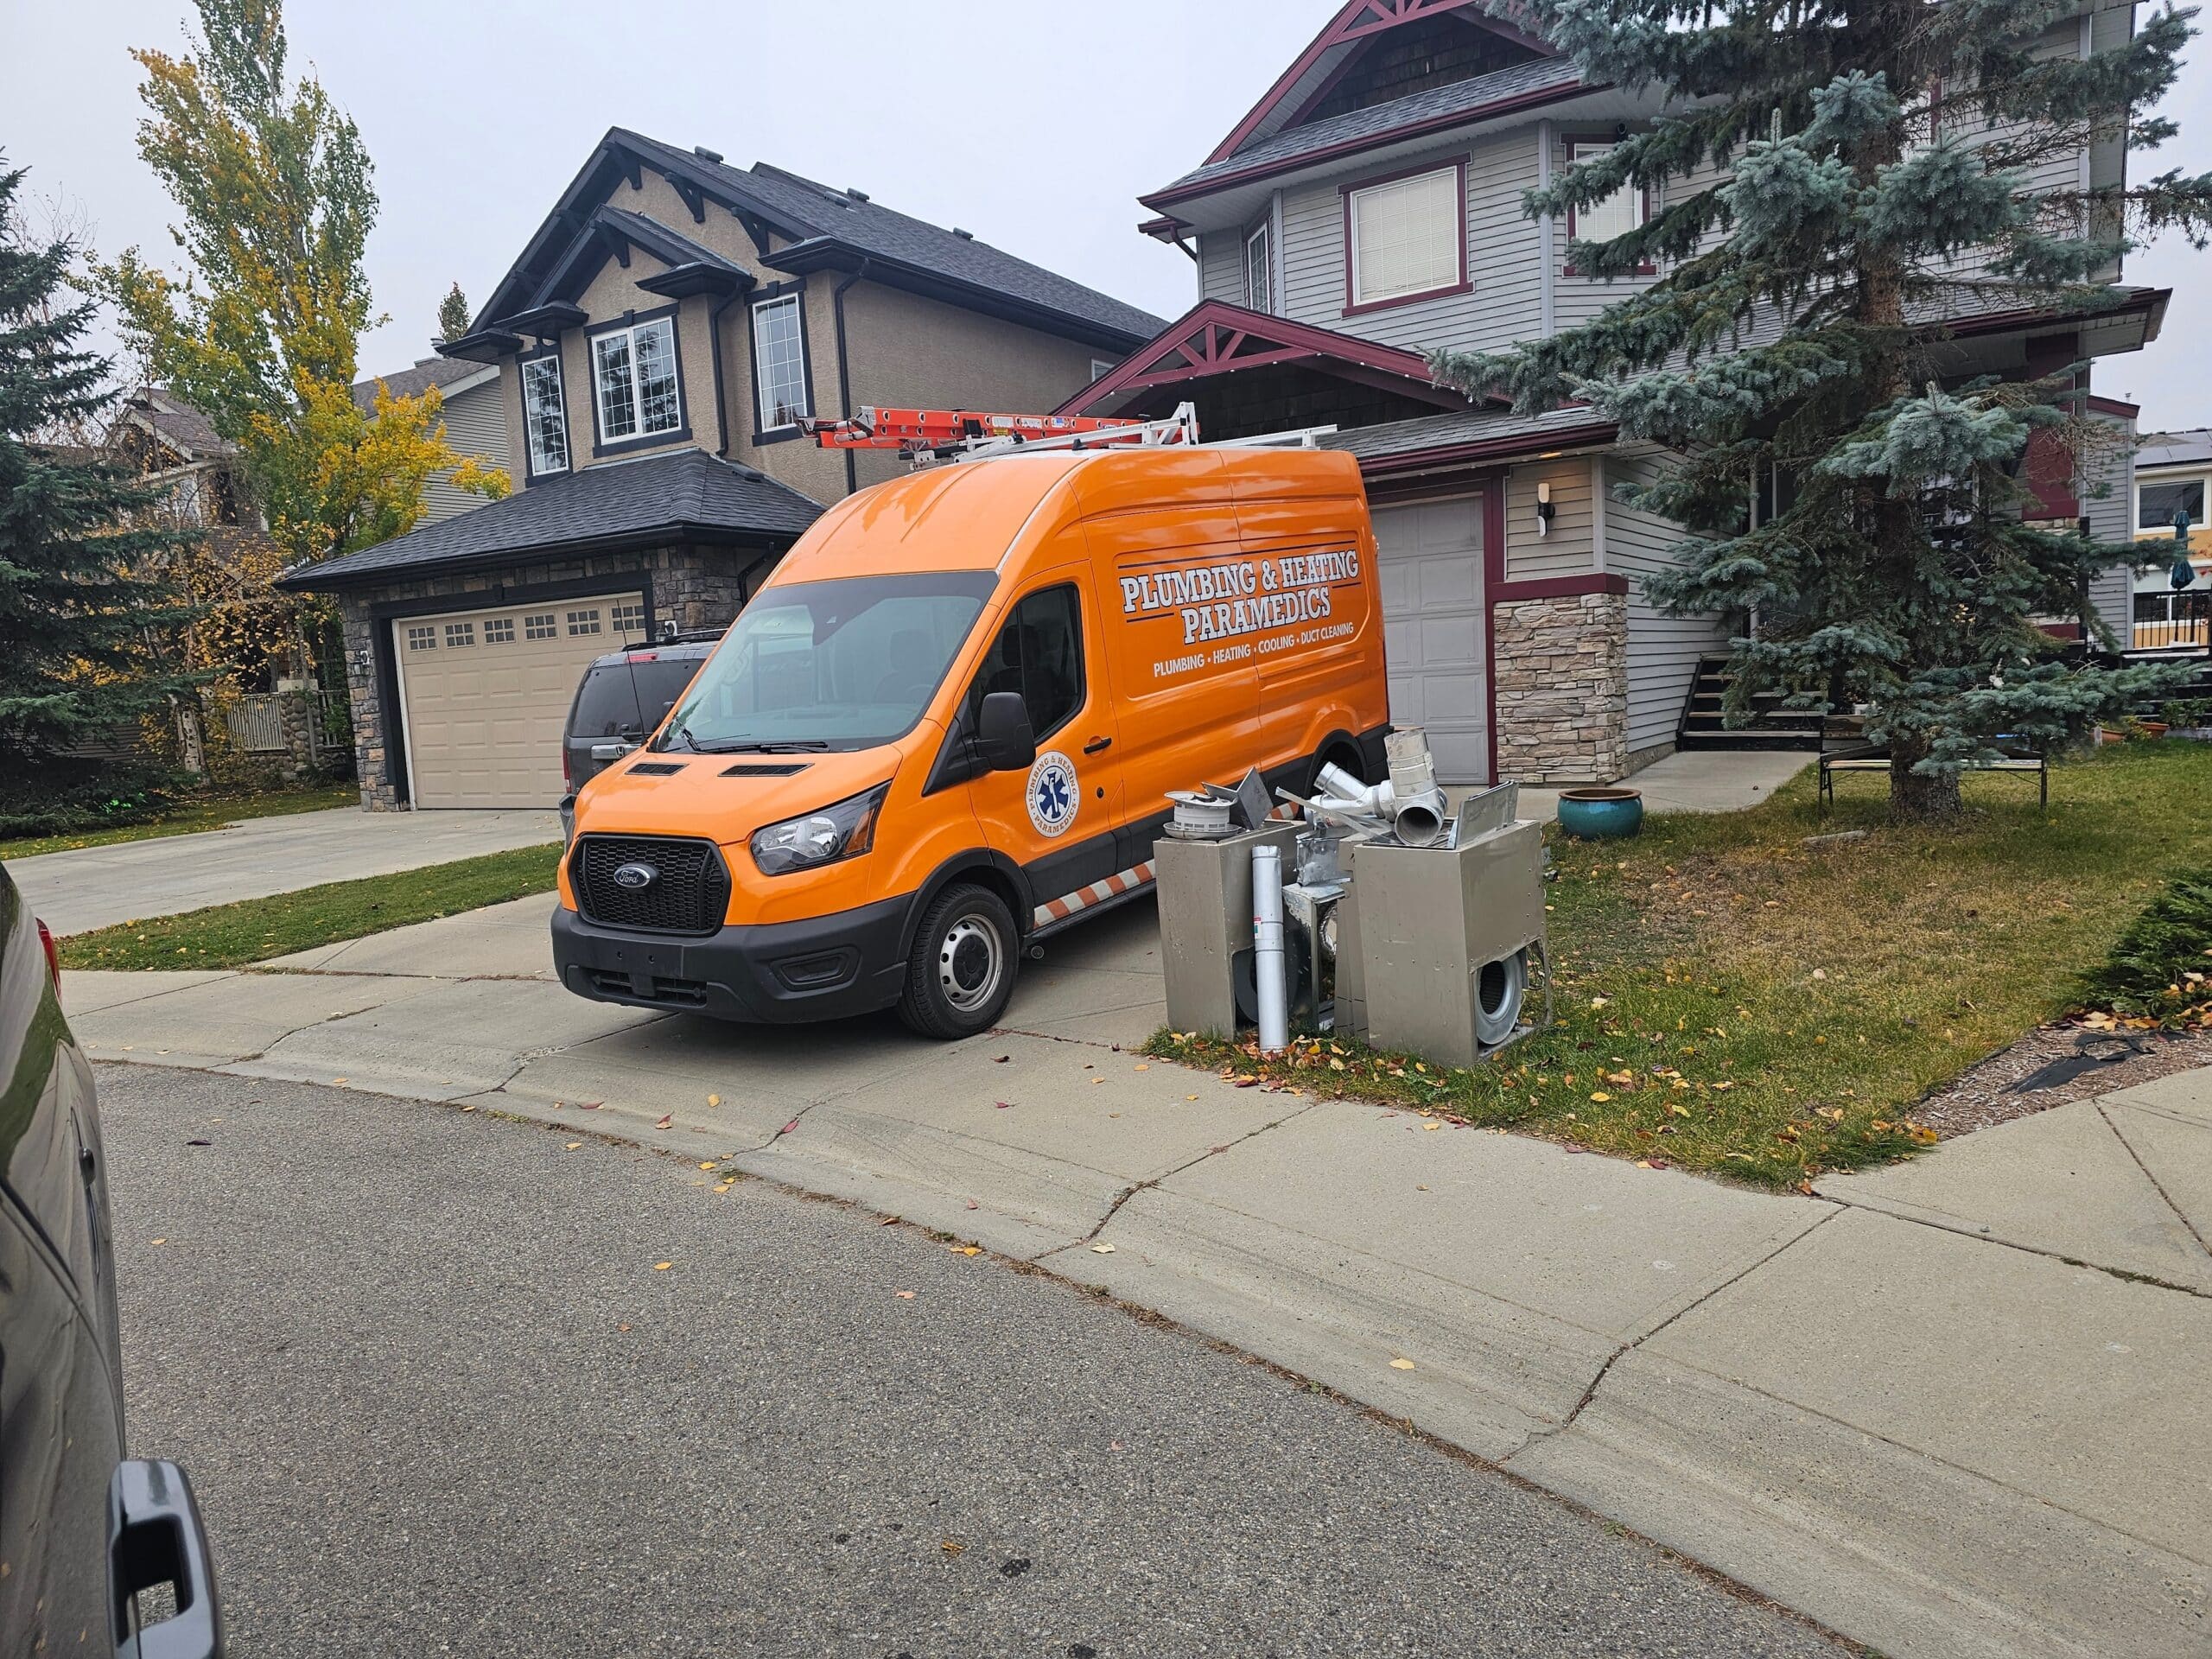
(98, 1552)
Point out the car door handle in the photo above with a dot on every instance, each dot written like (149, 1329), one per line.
(1098, 746)
(154, 1538)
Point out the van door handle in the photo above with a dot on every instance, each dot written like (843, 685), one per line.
(1098, 746)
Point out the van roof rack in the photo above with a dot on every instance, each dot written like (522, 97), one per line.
(927, 436)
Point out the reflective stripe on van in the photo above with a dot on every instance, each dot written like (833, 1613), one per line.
(1098, 893)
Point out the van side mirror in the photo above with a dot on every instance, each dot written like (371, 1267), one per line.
(1004, 741)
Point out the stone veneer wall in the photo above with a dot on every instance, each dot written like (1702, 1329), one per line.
(1562, 689)
(697, 588)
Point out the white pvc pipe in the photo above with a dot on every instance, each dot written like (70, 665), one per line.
(1335, 781)
(1270, 975)
(1420, 822)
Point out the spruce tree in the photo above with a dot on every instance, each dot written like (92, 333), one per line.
(1842, 182)
(80, 584)
(453, 314)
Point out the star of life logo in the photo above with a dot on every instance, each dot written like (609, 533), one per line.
(1053, 793)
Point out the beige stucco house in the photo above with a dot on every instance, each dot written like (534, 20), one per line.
(653, 346)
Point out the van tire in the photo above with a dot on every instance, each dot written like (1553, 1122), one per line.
(961, 972)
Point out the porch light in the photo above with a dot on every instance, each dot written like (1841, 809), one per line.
(1544, 508)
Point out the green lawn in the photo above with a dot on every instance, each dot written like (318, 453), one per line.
(229, 936)
(1729, 999)
(189, 817)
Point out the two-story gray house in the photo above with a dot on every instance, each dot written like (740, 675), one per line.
(654, 345)
(1368, 209)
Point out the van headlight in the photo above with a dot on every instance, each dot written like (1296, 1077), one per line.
(845, 831)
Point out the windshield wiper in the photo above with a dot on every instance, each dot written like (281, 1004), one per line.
(682, 733)
(787, 745)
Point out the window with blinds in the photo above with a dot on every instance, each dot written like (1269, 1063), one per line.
(1407, 236)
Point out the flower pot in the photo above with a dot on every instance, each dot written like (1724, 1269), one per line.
(1601, 814)
(2152, 727)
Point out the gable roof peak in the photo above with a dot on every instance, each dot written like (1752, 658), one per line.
(1342, 39)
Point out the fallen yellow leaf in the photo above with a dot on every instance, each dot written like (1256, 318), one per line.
(1102, 1249)
(706, 1165)
(713, 1100)
(1599, 1096)
(663, 1266)
(1401, 1364)
(573, 1145)
(1431, 1126)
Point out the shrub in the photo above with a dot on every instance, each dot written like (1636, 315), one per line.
(68, 797)
(2160, 967)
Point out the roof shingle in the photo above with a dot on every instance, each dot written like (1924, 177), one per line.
(684, 494)
(1468, 98)
(839, 217)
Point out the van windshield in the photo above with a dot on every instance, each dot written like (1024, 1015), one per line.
(843, 664)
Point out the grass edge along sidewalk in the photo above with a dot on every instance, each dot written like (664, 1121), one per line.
(188, 815)
(253, 929)
(1731, 1000)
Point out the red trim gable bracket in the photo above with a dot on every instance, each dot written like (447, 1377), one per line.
(1217, 338)
(1356, 21)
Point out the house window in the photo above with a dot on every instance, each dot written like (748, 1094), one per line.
(2155, 503)
(544, 419)
(422, 639)
(583, 622)
(1100, 368)
(1259, 270)
(635, 369)
(499, 631)
(458, 634)
(780, 362)
(1625, 210)
(540, 627)
(628, 619)
(1406, 237)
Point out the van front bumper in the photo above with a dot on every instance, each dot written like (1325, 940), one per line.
(825, 968)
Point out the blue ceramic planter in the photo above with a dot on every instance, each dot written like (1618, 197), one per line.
(1601, 814)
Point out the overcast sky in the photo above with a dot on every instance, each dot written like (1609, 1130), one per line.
(1034, 126)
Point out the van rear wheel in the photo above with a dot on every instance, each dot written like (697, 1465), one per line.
(961, 972)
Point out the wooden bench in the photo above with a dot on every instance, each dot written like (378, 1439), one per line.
(1874, 757)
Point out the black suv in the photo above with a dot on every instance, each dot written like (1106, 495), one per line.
(97, 1553)
(623, 696)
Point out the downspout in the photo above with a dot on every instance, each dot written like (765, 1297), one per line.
(844, 371)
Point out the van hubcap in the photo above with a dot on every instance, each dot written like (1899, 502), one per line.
(969, 963)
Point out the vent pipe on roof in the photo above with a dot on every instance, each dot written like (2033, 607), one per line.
(965, 236)
(706, 154)
(857, 196)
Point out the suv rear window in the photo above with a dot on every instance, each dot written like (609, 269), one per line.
(617, 698)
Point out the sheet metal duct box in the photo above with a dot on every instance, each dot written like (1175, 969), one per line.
(1205, 921)
(1428, 921)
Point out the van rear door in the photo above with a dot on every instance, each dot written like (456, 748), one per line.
(1057, 819)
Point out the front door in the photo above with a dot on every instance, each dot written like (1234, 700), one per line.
(1057, 817)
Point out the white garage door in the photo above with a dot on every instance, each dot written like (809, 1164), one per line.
(485, 694)
(1432, 626)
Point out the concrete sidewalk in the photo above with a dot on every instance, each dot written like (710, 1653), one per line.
(1698, 780)
(97, 887)
(1952, 1408)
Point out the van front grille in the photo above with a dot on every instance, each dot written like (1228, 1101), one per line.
(687, 891)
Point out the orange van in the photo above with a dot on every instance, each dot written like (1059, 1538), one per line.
(946, 727)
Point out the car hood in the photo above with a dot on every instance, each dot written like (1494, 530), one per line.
(725, 797)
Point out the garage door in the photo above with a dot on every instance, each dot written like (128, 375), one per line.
(1434, 627)
(484, 695)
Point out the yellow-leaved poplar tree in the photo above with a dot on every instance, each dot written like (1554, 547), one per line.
(276, 194)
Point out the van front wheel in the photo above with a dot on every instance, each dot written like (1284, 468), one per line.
(962, 971)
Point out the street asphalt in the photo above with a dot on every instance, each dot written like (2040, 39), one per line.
(439, 1395)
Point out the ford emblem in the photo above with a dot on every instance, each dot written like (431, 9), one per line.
(636, 877)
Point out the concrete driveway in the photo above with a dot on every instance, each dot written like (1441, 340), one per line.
(97, 887)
